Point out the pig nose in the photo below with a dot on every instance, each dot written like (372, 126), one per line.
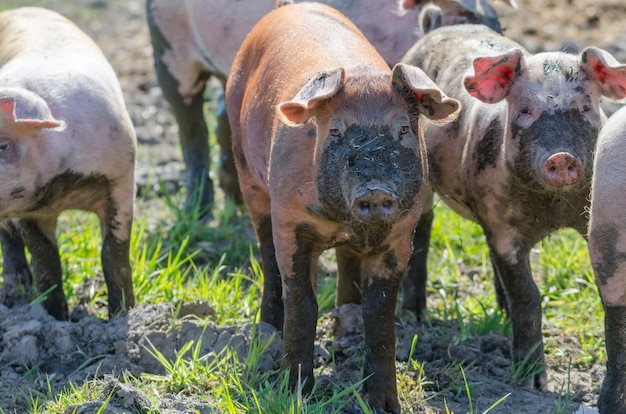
(375, 204)
(561, 169)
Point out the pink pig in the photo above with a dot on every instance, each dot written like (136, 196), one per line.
(66, 142)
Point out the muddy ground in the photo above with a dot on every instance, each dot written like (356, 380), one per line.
(32, 344)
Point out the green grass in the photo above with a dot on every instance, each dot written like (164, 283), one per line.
(175, 259)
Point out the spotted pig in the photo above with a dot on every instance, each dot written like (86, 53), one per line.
(518, 161)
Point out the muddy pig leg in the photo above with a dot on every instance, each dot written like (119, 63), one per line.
(272, 309)
(227, 171)
(18, 280)
(116, 226)
(192, 129)
(297, 259)
(524, 304)
(39, 237)
(381, 283)
(348, 277)
(414, 281)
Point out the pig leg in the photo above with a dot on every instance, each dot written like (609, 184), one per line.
(272, 310)
(380, 292)
(524, 304)
(500, 295)
(192, 129)
(414, 282)
(39, 237)
(227, 172)
(613, 393)
(116, 227)
(297, 260)
(16, 272)
(348, 277)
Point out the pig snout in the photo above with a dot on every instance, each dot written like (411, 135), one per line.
(375, 204)
(561, 169)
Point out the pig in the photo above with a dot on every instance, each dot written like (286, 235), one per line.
(66, 142)
(518, 161)
(607, 253)
(329, 154)
(192, 42)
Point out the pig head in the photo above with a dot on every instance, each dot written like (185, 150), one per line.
(329, 154)
(197, 39)
(66, 142)
(518, 161)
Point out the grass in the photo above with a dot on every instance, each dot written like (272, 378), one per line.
(172, 263)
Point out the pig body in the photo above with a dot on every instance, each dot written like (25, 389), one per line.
(66, 142)
(518, 161)
(328, 154)
(198, 39)
(607, 249)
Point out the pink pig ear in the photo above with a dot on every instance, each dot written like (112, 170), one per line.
(607, 72)
(323, 85)
(22, 107)
(494, 76)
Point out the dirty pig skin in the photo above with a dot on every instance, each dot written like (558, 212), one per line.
(518, 160)
(195, 40)
(607, 250)
(66, 142)
(329, 154)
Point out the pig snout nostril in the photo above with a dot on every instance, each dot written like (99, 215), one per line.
(375, 205)
(561, 169)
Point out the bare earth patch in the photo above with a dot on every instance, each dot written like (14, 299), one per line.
(33, 344)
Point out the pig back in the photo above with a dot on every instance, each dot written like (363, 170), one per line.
(279, 56)
(446, 54)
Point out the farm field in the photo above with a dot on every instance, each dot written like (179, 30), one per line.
(192, 344)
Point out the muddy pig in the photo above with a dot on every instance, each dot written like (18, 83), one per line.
(328, 152)
(607, 249)
(197, 39)
(518, 160)
(66, 142)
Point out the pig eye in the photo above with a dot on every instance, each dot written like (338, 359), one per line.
(5, 145)
(586, 108)
(334, 132)
(404, 129)
(525, 110)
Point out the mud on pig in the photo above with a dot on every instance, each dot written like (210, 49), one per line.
(607, 249)
(66, 142)
(328, 152)
(198, 39)
(518, 161)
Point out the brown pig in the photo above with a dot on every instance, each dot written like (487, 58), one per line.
(66, 142)
(329, 154)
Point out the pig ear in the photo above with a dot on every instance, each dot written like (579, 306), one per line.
(22, 107)
(606, 71)
(323, 85)
(494, 76)
(414, 84)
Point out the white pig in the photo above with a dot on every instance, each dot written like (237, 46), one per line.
(66, 142)
(607, 249)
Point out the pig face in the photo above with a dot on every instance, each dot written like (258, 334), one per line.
(553, 114)
(370, 162)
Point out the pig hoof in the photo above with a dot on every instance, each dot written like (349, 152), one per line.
(11, 296)
(613, 394)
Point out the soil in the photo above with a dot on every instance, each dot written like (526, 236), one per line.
(33, 344)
